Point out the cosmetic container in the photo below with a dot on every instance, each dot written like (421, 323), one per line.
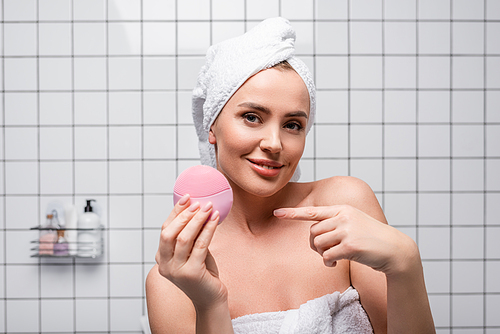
(48, 234)
(89, 232)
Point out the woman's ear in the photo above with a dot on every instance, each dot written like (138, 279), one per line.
(211, 137)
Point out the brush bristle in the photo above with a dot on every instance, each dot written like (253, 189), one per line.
(200, 181)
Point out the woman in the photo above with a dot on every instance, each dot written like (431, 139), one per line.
(290, 257)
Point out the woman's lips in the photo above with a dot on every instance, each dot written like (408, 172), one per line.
(266, 168)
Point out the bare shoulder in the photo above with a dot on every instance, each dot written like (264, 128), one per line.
(169, 309)
(347, 190)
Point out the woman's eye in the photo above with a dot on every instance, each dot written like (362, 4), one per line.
(293, 126)
(251, 118)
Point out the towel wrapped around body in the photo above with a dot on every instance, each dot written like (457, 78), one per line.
(330, 314)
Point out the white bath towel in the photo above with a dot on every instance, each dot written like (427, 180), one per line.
(331, 314)
(230, 63)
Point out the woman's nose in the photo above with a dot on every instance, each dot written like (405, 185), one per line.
(271, 142)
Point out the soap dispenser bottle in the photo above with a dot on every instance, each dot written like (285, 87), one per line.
(89, 237)
(48, 234)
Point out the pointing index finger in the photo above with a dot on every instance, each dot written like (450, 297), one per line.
(312, 213)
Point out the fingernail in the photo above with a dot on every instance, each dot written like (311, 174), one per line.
(215, 215)
(193, 207)
(207, 207)
(279, 213)
(184, 199)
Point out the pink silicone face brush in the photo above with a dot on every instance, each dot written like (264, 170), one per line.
(204, 184)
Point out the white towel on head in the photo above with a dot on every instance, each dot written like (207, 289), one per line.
(230, 63)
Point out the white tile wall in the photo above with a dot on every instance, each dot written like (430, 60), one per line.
(96, 104)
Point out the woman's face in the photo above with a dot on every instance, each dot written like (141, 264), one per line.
(260, 133)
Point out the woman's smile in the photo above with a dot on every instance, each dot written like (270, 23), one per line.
(266, 168)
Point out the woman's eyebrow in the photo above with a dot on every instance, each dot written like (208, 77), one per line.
(256, 106)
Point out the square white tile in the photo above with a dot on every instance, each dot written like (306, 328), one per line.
(159, 108)
(330, 167)
(125, 211)
(20, 10)
(13, 33)
(366, 9)
(89, 38)
(84, 10)
(21, 178)
(125, 177)
(124, 73)
(433, 72)
(21, 143)
(57, 315)
(262, 9)
(437, 276)
(22, 281)
(90, 73)
(365, 107)
(151, 241)
(185, 10)
(434, 9)
(369, 171)
(124, 314)
(366, 72)
(91, 177)
(400, 141)
(493, 10)
(492, 209)
(90, 108)
(125, 142)
(434, 243)
(492, 141)
(124, 38)
(328, 10)
(331, 38)
(492, 307)
(468, 174)
(21, 212)
(193, 38)
(90, 143)
(492, 273)
(91, 315)
(400, 10)
(440, 308)
(187, 142)
(56, 281)
(467, 72)
(467, 310)
(434, 140)
(400, 175)
(56, 108)
(54, 10)
(22, 315)
(297, 10)
(468, 106)
(156, 210)
(56, 178)
(434, 37)
(400, 209)
(20, 108)
(492, 37)
(492, 247)
(400, 72)
(400, 37)
(468, 208)
(467, 140)
(304, 31)
(400, 106)
(467, 10)
(125, 108)
(467, 277)
(56, 143)
(434, 175)
(492, 176)
(20, 74)
(434, 106)
(184, 105)
(158, 38)
(124, 10)
(125, 280)
(55, 73)
(331, 107)
(125, 246)
(188, 69)
(468, 37)
(159, 176)
(365, 37)
(468, 242)
(434, 209)
(54, 39)
(331, 72)
(365, 141)
(334, 141)
(159, 73)
(228, 9)
(310, 146)
(492, 70)
(91, 280)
